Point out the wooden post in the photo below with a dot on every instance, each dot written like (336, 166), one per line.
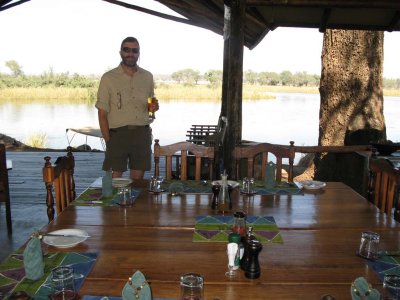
(232, 82)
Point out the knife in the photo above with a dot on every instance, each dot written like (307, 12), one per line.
(65, 235)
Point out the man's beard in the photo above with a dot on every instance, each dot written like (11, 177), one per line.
(129, 62)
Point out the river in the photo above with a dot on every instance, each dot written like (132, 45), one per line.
(288, 117)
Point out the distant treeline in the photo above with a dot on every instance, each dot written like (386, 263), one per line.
(188, 77)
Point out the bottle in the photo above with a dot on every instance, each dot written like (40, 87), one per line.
(150, 108)
(223, 196)
(106, 185)
(239, 223)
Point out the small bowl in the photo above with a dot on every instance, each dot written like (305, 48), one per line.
(386, 148)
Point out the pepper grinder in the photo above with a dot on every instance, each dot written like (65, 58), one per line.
(245, 240)
(253, 269)
(215, 189)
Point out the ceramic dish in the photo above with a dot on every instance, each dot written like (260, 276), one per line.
(121, 182)
(312, 184)
(232, 183)
(65, 238)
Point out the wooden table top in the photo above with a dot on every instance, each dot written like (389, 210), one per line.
(321, 233)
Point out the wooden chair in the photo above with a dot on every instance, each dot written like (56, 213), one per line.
(4, 187)
(251, 152)
(59, 176)
(383, 186)
(181, 151)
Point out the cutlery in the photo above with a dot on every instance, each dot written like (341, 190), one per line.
(65, 235)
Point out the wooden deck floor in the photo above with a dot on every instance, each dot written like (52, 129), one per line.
(27, 192)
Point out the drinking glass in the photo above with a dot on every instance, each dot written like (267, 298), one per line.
(369, 245)
(391, 287)
(62, 280)
(191, 287)
(159, 181)
(124, 196)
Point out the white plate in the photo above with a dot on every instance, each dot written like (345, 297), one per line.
(121, 182)
(75, 236)
(232, 183)
(312, 184)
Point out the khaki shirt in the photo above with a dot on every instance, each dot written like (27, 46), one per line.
(124, 97)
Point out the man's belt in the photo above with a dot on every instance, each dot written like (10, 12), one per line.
(129, 127)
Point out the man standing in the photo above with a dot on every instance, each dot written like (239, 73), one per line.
(123, 113)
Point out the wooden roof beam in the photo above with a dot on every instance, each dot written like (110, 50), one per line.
(394, 22)
(390, 4)
(324, 20)
(4, 6)
(192, 22)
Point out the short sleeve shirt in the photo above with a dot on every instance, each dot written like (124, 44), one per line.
(124, 97)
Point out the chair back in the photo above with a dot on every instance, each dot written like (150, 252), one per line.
(217, 139)
(257, 154)
(383, 186)
(4, 187)
(203, 157)
(59, 179)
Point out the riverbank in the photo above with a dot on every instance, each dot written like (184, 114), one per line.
(163, 91)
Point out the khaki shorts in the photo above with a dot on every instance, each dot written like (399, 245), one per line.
(128, 146)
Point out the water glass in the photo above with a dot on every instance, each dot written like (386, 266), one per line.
(391, 287)
(191, 287)
(62, 281)
(369, 245)
(124, 196)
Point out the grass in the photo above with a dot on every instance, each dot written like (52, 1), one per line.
(37, 140)
(163, 91)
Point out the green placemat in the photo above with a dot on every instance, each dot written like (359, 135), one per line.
(93, 197)
(279, 189)
(217, 228)
(12, 273)
(189, 186)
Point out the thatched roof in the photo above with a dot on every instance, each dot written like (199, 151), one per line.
(265, 15)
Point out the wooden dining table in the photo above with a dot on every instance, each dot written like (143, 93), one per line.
(321, 231)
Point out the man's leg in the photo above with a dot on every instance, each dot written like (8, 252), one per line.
(136, 174)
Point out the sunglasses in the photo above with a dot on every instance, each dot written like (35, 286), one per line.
(130, 50)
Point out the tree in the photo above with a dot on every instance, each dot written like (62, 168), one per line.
(214, 77)
(351, 109)
(250, 77)
(15, 68)
(187, 76)
(287, 78)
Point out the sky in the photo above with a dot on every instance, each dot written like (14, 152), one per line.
(84, 36)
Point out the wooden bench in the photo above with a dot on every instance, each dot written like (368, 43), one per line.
(197, 134)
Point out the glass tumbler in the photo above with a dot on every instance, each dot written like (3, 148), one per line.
(391, 287)
(191, 287)
(62, 280)
(369, 245)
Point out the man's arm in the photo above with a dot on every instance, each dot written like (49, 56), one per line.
(103, 122)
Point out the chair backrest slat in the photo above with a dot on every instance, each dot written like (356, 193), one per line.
(60, 178)
(251, 151)
(4, 187)
(383, 186)
(181, 152)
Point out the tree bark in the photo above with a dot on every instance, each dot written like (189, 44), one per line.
(351, 89)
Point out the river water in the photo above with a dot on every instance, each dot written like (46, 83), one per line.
(288, 117)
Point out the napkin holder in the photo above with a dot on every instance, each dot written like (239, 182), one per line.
(33, 259)
(137, 288)
(362, 290)
(270, 169)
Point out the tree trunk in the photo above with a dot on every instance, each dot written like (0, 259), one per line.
(351, 111)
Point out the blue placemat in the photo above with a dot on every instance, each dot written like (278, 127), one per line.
(88, 297)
